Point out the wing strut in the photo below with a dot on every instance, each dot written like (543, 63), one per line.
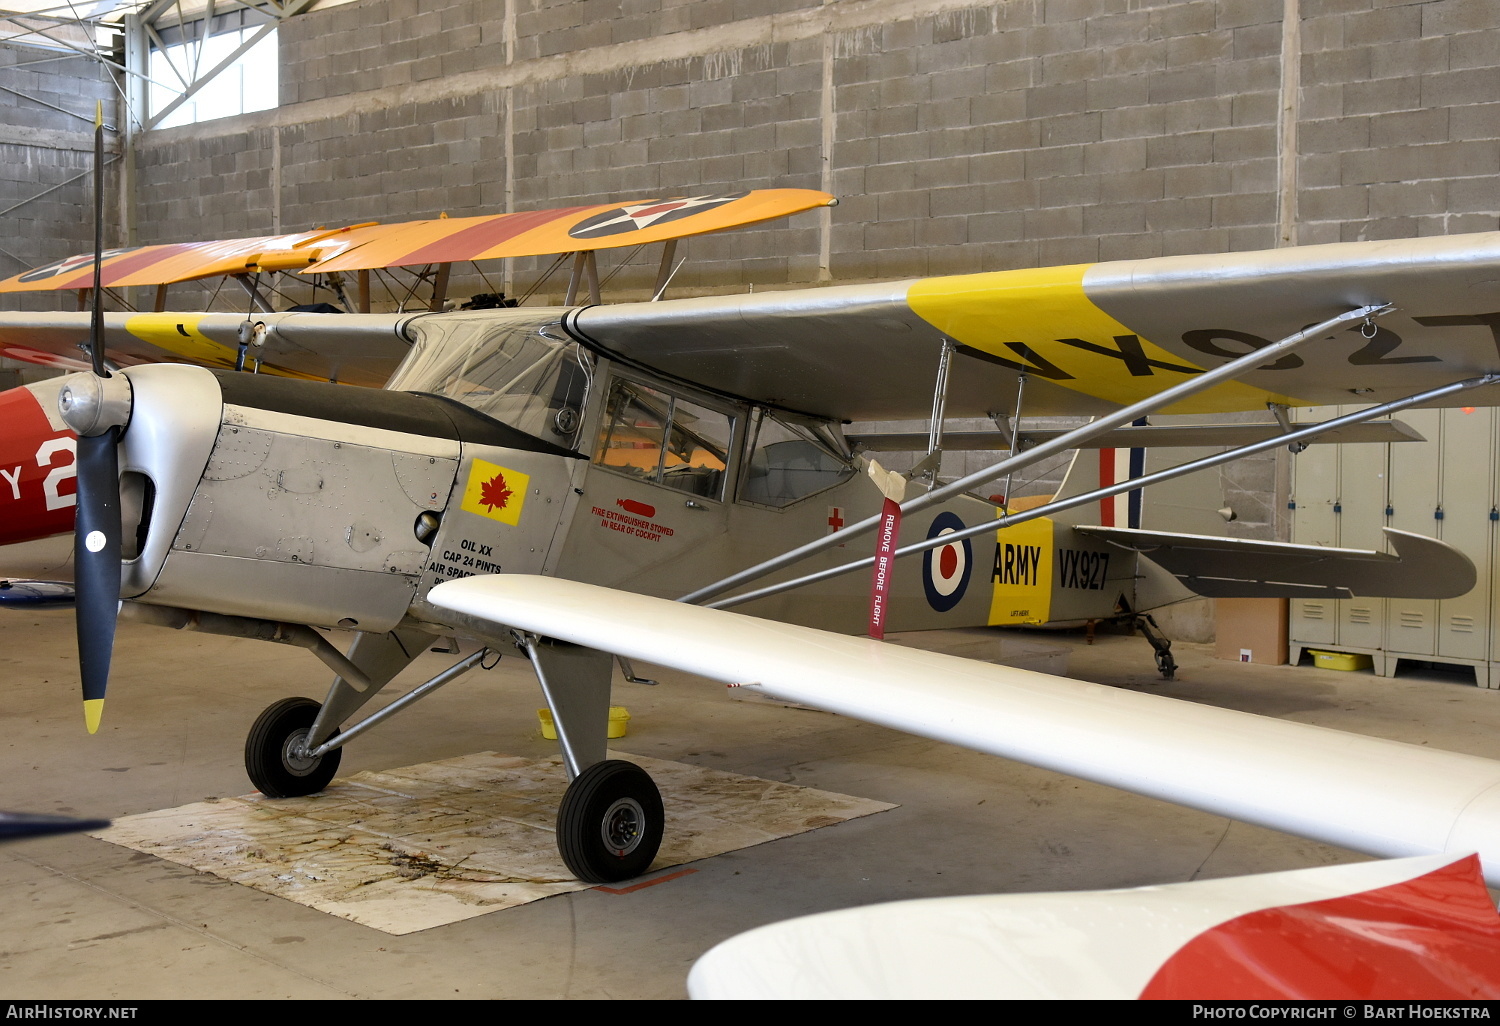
(1102, 493)
(1233, 369)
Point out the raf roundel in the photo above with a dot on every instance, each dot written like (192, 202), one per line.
(947, 568)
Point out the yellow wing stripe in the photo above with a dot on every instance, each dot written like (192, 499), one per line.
(178, 334)
(997, 311)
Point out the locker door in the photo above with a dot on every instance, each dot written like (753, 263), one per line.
(1314, 484)
(1411, 624)
(1463, 622)
(1493, 572)
(1360, 516)
(1314, 476)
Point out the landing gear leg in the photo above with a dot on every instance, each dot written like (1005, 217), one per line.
(610, 820)
(1160, 644)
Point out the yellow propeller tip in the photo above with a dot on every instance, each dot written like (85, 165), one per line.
(98, 113)
(93, 712)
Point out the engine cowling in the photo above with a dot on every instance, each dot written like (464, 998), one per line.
(315, 503)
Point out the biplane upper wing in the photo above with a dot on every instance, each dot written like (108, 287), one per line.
(566, 230)
(185, 261)
(1091, 337)
(435, 241)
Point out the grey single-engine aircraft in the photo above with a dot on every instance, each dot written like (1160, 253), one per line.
(694, 450)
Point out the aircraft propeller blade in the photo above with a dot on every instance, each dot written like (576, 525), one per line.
(96, 557)
(97, 408)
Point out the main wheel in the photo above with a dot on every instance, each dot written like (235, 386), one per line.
(609, 824)
(269, 758)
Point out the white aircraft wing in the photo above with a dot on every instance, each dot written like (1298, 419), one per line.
(1308, 934)
(1372, 795)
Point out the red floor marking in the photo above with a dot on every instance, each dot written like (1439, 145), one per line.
(645, 883)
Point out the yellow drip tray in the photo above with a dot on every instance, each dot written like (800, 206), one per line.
(1340, 660)
(619, 717)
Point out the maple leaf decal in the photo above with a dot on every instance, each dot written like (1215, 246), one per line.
(493, 494)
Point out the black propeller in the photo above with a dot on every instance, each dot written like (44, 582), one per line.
(15, 825)
(96, 559)
(98, 409)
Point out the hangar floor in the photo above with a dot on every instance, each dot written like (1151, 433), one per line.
(84, 918)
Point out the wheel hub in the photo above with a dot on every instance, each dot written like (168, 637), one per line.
(294, 753)
(622, 826)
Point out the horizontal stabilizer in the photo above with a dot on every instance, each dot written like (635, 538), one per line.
(1147, 436)
(1373, 795)
(1423, 568)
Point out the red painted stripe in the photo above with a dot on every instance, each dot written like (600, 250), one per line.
(1106, 478)
(465, 244)
(1435, 937)
(645, 883)
(114, 270)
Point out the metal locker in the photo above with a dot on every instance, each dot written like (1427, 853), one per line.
(1415, 471)
(1465, 503)
(1314, 490)
(1360, 515)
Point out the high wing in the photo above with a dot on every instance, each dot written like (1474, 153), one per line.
(1243, 568)
(358, 349)
(436, 241)
(1090, 337)
(1377, 796)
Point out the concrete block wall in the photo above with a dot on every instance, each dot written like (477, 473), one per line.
(1399, 119)
(958, 136)
(46, 153)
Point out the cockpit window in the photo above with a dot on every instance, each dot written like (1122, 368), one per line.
(787, 462)
(664, 439)
(518, 369)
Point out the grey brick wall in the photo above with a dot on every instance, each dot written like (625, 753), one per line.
(964, 136)
(43, 215)
(1400, 119)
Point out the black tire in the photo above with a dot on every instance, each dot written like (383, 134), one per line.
(268, 758)
(609, 825)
